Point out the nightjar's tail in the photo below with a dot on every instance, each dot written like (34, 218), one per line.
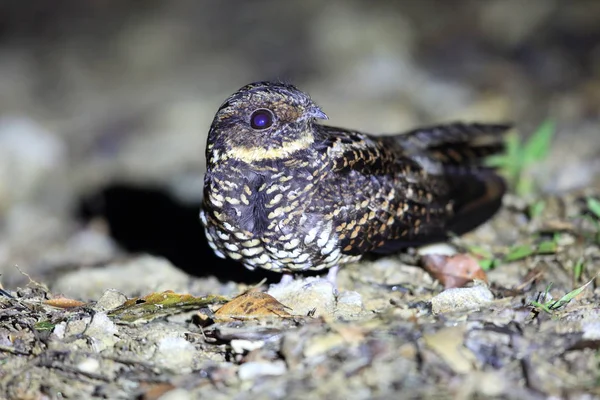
(457, 151)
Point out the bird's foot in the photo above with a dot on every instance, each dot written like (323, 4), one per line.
(332, 275)
(286, 279)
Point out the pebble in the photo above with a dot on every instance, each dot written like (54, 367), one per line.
(305, 295)
(255, 369)
(458, 299)
(175, 353)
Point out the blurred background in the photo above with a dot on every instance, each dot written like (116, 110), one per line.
(105, 105)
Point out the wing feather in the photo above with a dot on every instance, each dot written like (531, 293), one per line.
(410, 189)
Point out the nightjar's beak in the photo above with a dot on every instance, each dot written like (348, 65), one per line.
(315, 112)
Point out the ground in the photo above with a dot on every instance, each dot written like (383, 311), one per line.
(109, 289)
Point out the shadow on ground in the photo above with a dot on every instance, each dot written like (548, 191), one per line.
(150, 220)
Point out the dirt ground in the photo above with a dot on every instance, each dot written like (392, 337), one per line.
(110, 291)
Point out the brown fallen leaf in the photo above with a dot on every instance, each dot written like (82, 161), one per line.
(154, 391)
(63, 302)
(453, 271)
(251, 305)
(448, 343)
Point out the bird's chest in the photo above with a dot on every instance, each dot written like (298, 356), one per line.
(258, 203)
(261, 218)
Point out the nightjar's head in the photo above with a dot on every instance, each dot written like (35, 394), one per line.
(262, 121)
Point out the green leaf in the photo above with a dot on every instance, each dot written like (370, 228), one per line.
(547, 247)
(160, 304)
(487, 264)
(538, 145)
(44, 326)
(594, 206)
(479, 251)
(518, 156)
(511, 161)
(519, 252)
(514, 148)
(537, 208)
(524, 186)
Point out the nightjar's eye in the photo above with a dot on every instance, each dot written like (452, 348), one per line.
(261, 119)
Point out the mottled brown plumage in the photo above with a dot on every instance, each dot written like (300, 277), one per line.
(287, 194)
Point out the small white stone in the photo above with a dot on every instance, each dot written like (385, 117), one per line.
(253, 370)
(110, 300)
(438, 248)
(175, 353)
(591, 330)
(89, 365)
(240, 346)
(59, 330)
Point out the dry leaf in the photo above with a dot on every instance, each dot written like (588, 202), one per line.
(251, 305)
(154, 391)
(453, 271)
(448, 343)
(63, 302)
(157, 305)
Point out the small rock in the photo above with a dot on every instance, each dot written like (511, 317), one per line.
(175, 353)
(349, 305)
(60, 330)
(100, 332)
(255, 369)
(458, 299)
(438, 249)
(89, 365)
(491, 383)
(305, 295)
(591, 330)
(110, 300)
(241, 346)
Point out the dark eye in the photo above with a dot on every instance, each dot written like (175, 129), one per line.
(261, 119)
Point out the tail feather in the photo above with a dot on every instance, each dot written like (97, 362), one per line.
(457, 144)
(475, 190)
(477, 196)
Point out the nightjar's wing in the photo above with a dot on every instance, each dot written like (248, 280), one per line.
(405, 190)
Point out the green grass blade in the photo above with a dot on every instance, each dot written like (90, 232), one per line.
(568, 297)
(487, 264)
(547, 247)
(578, 269)
(536, 209)
(541, 306)
(538, 145)
(594, 206)
(519, 252)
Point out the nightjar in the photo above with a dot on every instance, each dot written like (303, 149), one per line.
(285, 193)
